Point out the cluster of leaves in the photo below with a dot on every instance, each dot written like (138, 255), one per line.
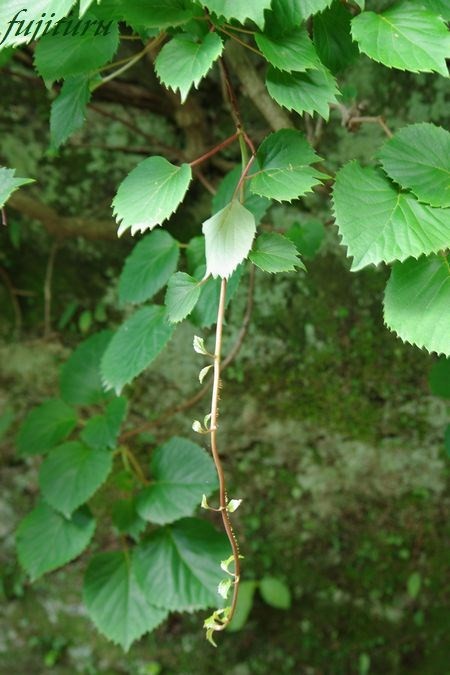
(398, 213)
(174, 566)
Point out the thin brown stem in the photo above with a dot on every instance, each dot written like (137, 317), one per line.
(241, 42)
(224, 144)
(223, 497)
(368, 119)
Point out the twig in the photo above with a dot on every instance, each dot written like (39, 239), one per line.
(224, 144)
(367, 119)
(48, 290)
(223, 497)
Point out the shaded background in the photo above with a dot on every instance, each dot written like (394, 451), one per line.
(330, 430)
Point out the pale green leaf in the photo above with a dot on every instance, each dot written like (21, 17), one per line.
(308, 7)
(47, 540)
(115, 601)
(224, 195)
(274, 253)
(71, 474)
(283, 170)
(9, 184)
(183, 292)
(192, 550)
(275, 593)
(150, 194)
(80, 380)
(185, 60)
(68, 111)
(228, 238)
(58, 56)
(377, 223)
(332, 37)
(181, 473)
(241, 11)
(418, 158)
(416, 303)
(12, 12)
(308, 92)
(148, 268)
(101, 431)
(44, 427)
(406, 36)
(285, 15)
(288, 51)
(135, 345)
(244, 605)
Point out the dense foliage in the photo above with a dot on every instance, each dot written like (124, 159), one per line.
(396, 211)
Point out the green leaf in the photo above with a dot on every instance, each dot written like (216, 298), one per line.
(11, 10)
(150, 194)
(183, 292)
(288, 51)
(274, 253)
(85, 4)
(135, 345)
(418, 158)
(307, 237)
(441, 7)
(230, 9)
(115, 602)
(58, 56)
(157, 13)
(440, 378)
(309, 92)
(101, 431)
(285, 15)
(185, 60)
(309, 7)
(275, 593)
(181, 473)
(47, 540)
(80, 382)
(228, 238)
(68, 111)
(332, 37)
(152, 262)
(71, 474)
(205, 311)
(416, 303)
(126, 518)
(377, 223)
(406, 36)
(9, 184)
(227, 189)
(283, 166)
(44, 427)
(178, 566)
(244, 605)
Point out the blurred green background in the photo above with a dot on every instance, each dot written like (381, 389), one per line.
(331, 432)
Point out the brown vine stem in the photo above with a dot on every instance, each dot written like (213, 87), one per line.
(223, 498)
(228, 141)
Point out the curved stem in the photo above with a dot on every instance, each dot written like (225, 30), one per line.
(223, 498)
